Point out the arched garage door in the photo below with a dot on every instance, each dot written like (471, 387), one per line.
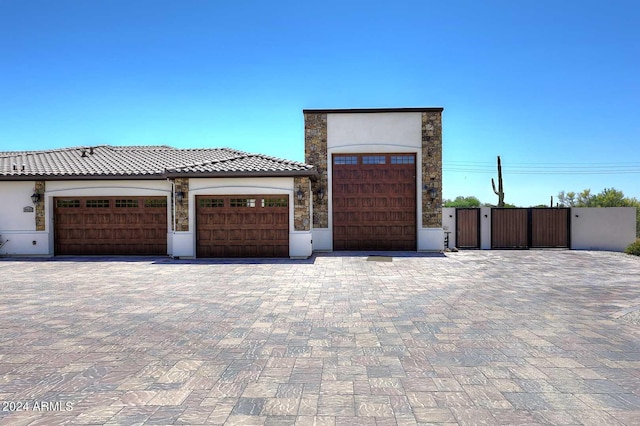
(374, 202)
(242, 226)
(110, 225)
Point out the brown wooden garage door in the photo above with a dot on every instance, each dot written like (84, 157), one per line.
(374, 202)
(242, 226)
(110, 226)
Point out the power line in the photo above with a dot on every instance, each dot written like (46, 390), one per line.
(535, 168)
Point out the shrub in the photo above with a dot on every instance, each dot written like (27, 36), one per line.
(634, 248)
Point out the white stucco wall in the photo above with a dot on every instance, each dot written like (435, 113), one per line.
(18, 235)
(14, 197)
(385, 132)
(399, 129)
(610, 228)
(449, 224)
(299, 241)
(485, 228)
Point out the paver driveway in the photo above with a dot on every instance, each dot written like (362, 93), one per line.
(499, 337)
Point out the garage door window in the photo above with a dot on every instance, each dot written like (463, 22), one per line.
(156, 203)
(373, 159)
(345, 159)
(211, 202)
(126, 203)
(274, 202)
(97, 203)
(402, 159)
(243, 202)
(68, 203)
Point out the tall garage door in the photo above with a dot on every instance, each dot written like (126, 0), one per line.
(374, 202)
(242, 226)
(110, 226)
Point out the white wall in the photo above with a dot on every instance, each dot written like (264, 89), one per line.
(18, 235)
(449, 224)
(14, 197)
(485, 228)
(605, 228)
(401, 129)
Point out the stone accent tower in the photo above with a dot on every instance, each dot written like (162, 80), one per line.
(182, 208)
(302, 209)
(432, 169)
(315, 152)
(40, 217)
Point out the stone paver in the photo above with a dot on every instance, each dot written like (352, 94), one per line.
(499, 337)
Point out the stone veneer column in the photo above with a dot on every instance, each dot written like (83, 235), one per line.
(182, 208)
(40, 187)
(431, 169)
(301, 210)
(315, 153)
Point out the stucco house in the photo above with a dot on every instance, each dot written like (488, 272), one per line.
(372, 181)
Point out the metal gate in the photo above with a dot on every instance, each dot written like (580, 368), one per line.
(509, 228)
(522, 228)
(550, 227)
(467, 228)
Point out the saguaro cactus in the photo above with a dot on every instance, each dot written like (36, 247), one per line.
(500, 191)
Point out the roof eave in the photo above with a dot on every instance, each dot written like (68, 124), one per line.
(370, 110)
(80, 177)
(312, 173)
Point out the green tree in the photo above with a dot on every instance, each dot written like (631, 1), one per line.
(609, 197)
(461, 201)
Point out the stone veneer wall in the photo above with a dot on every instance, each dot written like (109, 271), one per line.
(315, 153)
(40, 187)
(182, 209)
(301, 210)
(431, 169)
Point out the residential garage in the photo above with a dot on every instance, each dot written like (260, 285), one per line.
(374, 201)
(110, 225)
(379, 184)
(242, 225)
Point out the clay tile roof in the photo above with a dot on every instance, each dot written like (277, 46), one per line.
(142, 162)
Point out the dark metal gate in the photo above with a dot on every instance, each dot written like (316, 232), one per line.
(467, 228)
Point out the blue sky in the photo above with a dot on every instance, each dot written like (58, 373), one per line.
(551, 86)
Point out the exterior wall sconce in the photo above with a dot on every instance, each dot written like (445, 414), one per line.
(433, 192)
(35, 197)
(179, 196)
(321, 193)
(300, 195)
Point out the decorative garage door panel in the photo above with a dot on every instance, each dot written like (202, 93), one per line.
(110, 226)
(242, 226)
(374, 202)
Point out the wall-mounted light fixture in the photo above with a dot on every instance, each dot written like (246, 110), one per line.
(35, 197)
(300, 195)
(321, 193)
(433, 191)
(179, 196)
